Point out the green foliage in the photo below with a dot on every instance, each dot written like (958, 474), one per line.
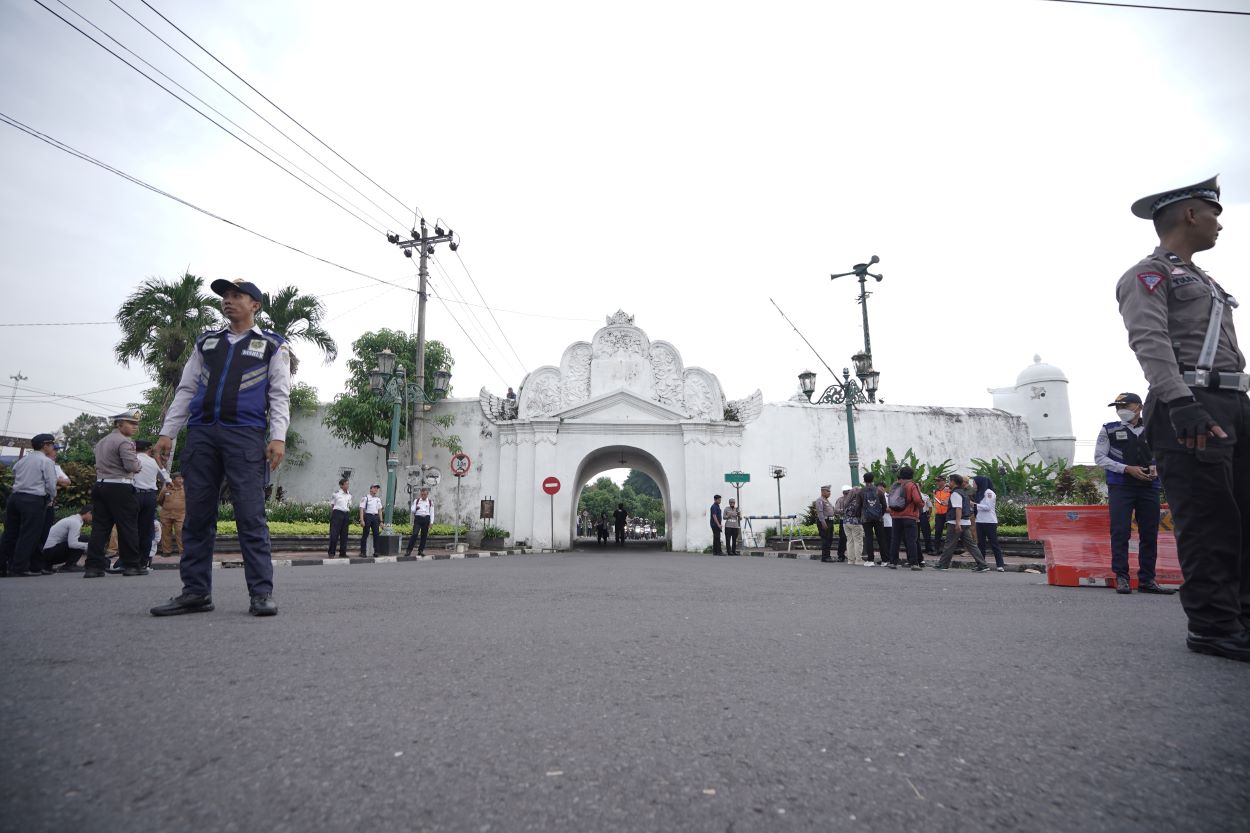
(358, 416)
(160, 322)
(78, 492)
(1087, 492)
(1020, 478)
(603, 496)
(229, 527)
(1010, 512)
(489, 532)
(642, 484)
(6, 485)
(923, 473)
(297, 318)
(81, 434)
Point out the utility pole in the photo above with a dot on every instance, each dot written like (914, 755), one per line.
(17, 380)
(424, 243)
(860, 271)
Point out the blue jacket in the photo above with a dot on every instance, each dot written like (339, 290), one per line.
(233, 388)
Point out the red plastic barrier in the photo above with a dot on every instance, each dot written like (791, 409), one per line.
(1077, 541)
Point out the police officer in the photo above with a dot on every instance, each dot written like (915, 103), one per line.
(34, 489)
(1133, 489)
(235, 386)
(147, 482)
(1197, 414)
(824, 523)
(114, 501)
(370, 518)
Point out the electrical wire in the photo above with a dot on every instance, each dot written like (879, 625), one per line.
(370, 224)
(60, 324)
(465, 267)
(1144, 6)
(472, 315)
(277, 129)
(466, 335)
(405, 205)
(43, 137)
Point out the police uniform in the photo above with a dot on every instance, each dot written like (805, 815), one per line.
(824, 522)
(34, 488)
(1179, 323)
(340, 518)
(1121, 444)
(371, 518)
(234, 388)
(115, 503)
(146, 482)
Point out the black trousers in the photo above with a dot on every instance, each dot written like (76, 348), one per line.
(60, 554)
(1124, 500)
(877, 529)
(987, 539)
(114, 505)
(338, 532)
(373, 523)
(620, 535)
(147, 523)
(421, 528)
(939, 529)
(23, 532)
(1209, 495)
(925, 533)
(904, 532)
(841, 540)
(716, 550)
(826, 540)
(731, 540)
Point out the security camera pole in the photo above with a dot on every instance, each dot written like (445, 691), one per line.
(860, 270)
(424, 243)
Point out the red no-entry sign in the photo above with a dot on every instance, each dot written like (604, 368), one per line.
(551, 485)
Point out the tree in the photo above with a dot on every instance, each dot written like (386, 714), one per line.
(359, 416)
(81, 434)
(600, 498)
(160, 322)
(642, 484)
(297, 317)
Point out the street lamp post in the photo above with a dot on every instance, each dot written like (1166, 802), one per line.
(847, 392)
(389, 381)
(860, 271)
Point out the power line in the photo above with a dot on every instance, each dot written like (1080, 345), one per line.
(472, 316)
(405, 205)
(87, 158)
(60, 324)
(465, 267)
(1144, 6)
(370, 224)
(277, 129)
(469, 337)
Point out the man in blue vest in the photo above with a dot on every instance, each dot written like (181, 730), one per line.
(1133, 489)
(235, 386)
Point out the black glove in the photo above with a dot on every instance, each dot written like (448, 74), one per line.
(1190, 421)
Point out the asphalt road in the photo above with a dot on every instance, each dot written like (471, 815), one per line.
(615, 691)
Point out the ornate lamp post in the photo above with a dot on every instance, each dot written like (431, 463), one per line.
(389, 382)
(864, 372)
(847, 392)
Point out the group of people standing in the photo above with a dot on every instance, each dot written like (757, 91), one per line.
(370, 518)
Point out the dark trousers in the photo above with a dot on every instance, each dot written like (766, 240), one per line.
(339, 521)
(1209, 494)
(114, 505)
(23, 532)
(953, 538)
(421, 531)
(874, 529)
(1125, 501)
(987, 537)
(716, 541)
(60, 554)
(904, 533)
(147, 523)
(841, 540)
(939, 527)
(731, 540)
(237, 455)
(373, 523)
(620, 535)
(826, 540)
(925, 533)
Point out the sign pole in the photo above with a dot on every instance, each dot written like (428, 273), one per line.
(551, 485)
(553, 522)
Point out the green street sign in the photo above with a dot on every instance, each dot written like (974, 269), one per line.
(737, 477)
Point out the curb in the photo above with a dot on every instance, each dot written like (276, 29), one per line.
(233, 563)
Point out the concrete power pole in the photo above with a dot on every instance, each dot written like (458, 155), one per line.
(17, 380)
(424, 243)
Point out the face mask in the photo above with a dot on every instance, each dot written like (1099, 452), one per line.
(1126, 416)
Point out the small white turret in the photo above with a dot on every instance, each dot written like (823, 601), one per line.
(1040, 395)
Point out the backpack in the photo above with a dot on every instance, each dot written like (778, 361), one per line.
(897, 499)
(874, 509)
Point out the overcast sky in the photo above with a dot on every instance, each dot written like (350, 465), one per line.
(684, 162)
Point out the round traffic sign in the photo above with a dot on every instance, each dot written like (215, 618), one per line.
(460, 464)
(551, 485)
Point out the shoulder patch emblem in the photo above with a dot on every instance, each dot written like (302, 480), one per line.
(1150, 280)
(1174, 258)
(209, 343)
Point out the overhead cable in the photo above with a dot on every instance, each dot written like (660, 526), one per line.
(465, 267)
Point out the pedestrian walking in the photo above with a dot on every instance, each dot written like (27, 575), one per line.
(839, 511)
(824, 523)
(905, 502)
(370, 518)
(340, 518)
(1197, 414)
(422, 517)
(63, 545)
(854, 528)
(714, 515)
(872, 514)
(234, 388)
(986, 501)
(941, 505)
(173, 503)
(959, 527)
(114, 501)
(733, 523)
(25, 512)
(619, 517)
(926, 533)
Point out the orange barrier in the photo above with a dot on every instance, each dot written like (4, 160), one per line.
(1077, 542)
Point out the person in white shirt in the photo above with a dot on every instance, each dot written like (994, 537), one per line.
(422, 517)
(63, 546)
(959, 527)
(146, 482)
(987, 519)
(340, 508)
(370, 518)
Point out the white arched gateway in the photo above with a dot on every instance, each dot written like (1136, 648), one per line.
(619, 396)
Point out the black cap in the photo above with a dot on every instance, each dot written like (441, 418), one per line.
(221, 286)
(40, 440)
(1208, 190)
(1126, 399)
(142, 445)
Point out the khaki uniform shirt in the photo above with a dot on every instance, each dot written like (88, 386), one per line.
(1166, 304)
(173, 502)
(824, 509)
(115, 457)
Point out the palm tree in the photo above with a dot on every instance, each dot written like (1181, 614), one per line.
(297, 317)
(160, 322)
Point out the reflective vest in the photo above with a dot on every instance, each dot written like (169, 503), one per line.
(233, 388)
(1130, 449)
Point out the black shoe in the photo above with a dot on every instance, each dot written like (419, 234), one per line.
(916, 567)
(1122, 586)
(135, 571)
(1154, 587)
(981, 568)
(186, 603)
(263, 605)
(73, 568)
(24, 574)
(892, 566)
(90, 573)
(1231, 646)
